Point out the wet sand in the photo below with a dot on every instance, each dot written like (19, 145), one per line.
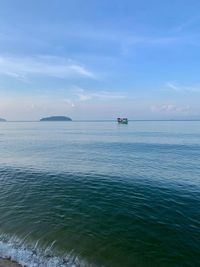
(8, 263)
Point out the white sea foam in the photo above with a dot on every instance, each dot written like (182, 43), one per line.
(16, 250)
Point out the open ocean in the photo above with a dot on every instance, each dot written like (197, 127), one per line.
(100, 194)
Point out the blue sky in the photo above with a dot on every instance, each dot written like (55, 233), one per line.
(100, 59)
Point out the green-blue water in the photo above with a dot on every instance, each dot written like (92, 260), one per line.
(100, 194)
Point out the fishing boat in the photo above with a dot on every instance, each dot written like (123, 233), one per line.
(122, 120)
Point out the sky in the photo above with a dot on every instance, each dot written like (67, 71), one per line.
(91, 59)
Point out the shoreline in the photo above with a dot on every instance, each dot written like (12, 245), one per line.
(8, 263)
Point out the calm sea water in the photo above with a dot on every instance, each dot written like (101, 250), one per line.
(100, 194)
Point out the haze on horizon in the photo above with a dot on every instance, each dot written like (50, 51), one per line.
(99, 59)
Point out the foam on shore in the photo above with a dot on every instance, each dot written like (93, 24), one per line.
(15, 253)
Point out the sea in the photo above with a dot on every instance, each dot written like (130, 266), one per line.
(99, 194)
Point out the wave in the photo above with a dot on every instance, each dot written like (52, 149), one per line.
(16, 250)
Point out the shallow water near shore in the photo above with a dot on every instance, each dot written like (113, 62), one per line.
(100, 194)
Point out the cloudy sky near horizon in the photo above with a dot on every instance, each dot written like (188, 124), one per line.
(100, 59)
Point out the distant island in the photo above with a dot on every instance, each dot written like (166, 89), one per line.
(2, 119)
(56, 118)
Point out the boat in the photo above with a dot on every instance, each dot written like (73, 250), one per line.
(122, 120)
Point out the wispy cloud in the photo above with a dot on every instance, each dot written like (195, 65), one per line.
(110, 34)
(84, 95)
(170, 108)
(19, 67)
(179, 88)
(69, 102)
(172, 86)
(80, 95)
(150, 40)
(187, 24)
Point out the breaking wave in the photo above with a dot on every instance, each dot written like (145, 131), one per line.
(34, 256)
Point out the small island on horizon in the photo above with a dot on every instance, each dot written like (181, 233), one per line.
(3, 120)
(56, 118)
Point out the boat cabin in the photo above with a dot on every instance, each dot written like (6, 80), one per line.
(122, 120)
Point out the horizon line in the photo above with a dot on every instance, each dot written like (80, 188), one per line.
(104, 120)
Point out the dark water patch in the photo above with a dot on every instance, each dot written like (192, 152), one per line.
(107, 220)
(143, 146)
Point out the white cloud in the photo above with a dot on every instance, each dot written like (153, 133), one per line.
(109, 95)
(69, 102)
(46, 66)
(173, 86)
(170, 108)
(83, 95)
(187, 24)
